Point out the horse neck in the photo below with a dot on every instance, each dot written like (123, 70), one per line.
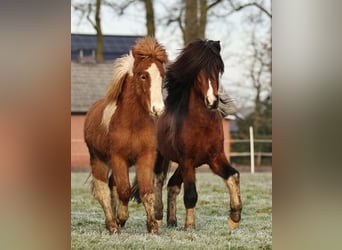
(130, 103)
(197, 109)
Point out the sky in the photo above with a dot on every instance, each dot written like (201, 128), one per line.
(231, 30)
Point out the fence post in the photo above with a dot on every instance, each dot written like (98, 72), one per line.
(251, 139)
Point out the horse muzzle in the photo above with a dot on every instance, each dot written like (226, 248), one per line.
(212, 104)
(156, 111)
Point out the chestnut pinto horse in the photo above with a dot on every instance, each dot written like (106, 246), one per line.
(119, 131)
(190, 132)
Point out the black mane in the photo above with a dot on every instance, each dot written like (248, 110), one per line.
(181, 75)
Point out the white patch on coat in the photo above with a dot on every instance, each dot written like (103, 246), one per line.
(101, 192)
(157, 103)
(210, 94)
(107, 114)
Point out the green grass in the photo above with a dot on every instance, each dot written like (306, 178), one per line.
(212, 232)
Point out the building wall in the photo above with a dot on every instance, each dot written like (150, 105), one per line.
(79, 150)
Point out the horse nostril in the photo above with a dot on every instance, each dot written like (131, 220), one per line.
(157, 111)
(215, 104)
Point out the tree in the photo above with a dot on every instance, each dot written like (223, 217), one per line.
(260, 67)
(87, 8)
(150, 18)
(119, 8)
(97, 27)
(191, 18)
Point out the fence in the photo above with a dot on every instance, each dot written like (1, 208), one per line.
(251, 153)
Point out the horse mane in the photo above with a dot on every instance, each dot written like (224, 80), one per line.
(146, 47)
(198, 55)
(122, 67)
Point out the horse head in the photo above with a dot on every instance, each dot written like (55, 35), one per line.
(208, 88)
(149, 72)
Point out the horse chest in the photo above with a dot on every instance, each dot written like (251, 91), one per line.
(200, 140)
(130, 139)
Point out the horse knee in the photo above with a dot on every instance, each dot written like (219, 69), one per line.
(124, 193)
(190, 195)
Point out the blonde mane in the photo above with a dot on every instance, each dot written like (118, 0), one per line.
(122, 66)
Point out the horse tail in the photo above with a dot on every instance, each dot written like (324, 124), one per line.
(160, 174)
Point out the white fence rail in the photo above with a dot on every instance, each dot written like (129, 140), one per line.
(251, 153)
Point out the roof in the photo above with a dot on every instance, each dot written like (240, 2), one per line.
(114, 45)
(89, 83)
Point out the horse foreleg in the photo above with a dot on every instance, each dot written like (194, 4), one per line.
(160, 171)
(173, 190)
(231, 176)
(101, 192)
(190, 195)
(144, 173)
(121, 178)
(114, 194)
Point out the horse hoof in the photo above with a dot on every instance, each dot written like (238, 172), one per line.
(232, 224)
(159, 222)
(154, 231)
(112, 228)
(153, 228)
(172, 223)
(122, 223)
(113, 231)
(189, 227)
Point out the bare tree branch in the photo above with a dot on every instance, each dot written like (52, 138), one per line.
(117, 7)
(88, 16)
(238, 8)
(178, 20)
(213, 4)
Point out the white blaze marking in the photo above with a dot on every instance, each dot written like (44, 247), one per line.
(107, 114)
(210, 95)
(157, 104)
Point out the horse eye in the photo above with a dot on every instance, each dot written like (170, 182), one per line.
(143, 77)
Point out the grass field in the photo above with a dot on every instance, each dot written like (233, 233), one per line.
(212, 232)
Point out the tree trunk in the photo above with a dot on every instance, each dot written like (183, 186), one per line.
(150, 18)
(99, 36)
(202, 19)
(190, 21)
(195, 20)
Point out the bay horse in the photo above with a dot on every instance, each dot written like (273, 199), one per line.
(190, 132)
(119, 131)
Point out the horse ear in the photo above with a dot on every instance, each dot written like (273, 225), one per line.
(217, 45)
(134, 53)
